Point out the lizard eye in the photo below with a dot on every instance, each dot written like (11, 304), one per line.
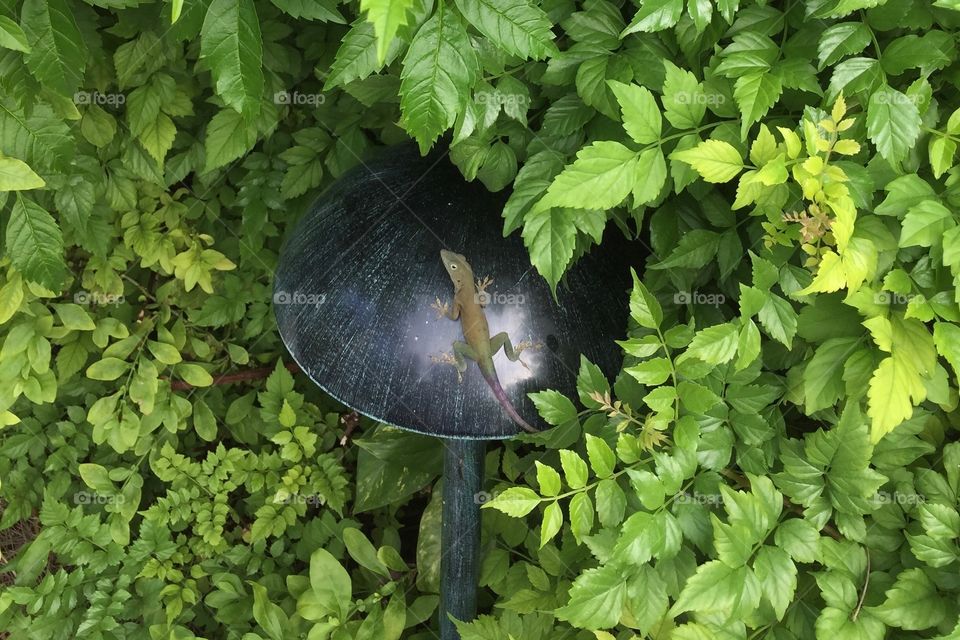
(453, 266)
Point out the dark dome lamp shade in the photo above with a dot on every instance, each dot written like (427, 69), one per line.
(352, 297)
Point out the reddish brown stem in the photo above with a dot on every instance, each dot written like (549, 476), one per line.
(240, 376)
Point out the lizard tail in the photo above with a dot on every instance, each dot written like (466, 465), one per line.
(501, 396)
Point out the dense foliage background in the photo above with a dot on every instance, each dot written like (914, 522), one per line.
(778, 458)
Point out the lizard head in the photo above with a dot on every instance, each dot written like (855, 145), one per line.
(457, 268)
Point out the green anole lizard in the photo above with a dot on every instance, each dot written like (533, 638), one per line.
(468, 302)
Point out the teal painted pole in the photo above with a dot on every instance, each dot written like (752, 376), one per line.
(460, 536)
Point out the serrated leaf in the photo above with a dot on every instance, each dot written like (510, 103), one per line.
(912, 603)
(16, 175)
(232, 48)
(581, 516)
(714, 160)
(58, 54)
(596, 598)
(641, 115)
(714, 345)
(228, 137)
(386, 16)
(755, 94)
(893, 385)
(600, 178)
(35, 244)
(12, 36)
(601, 456)
(574, 469)
(438, 71)
(519, 27)
(515, 501)
(548, 479)
(655, 15)
(552, 521)
(893, 123)
(550, 237)
(839, 40)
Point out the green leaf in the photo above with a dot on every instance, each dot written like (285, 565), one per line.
(946, 336)
(363, 552)
(941, 151)
(357, 56)
(655, 15)
(107, 369)
(195, 375)
(574, 469)
(777, 576)
(550, 237)
(96, 477)
(231, 47)
(165, 353)
(715, 587)
(842, 39)
(650, 176)
(893, 123)
(386, 16)
(755, 94)
(515, 501)
(695, 249)
(611, 502)
(684, 100)
(913, 602)
(581, 516)
(268, 615)
(602, 458)
(651, 372)
(58, 54)
(590, 380)
(12, 36)
(548, 479)
(596, 598)
(438, 71)
(778, 319)
(518, 27)
(323, 10)
(330, 583)
(641, 116)
(603, 175)
(925, 224)
(229, 136)
(204, 422)
(74, 317)
(714, 160)
(35, 244)
(16, 175)
(644, 307)
(893, 385)
(714, 345)
(554, 407)
(552, 521)
(799, 538)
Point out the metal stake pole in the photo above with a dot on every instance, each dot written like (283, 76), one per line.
(460, 537)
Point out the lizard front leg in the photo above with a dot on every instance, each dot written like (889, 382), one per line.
(483, 298)
(444, 311)
(502, 341)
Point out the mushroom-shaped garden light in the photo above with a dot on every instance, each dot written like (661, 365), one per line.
(356, 295)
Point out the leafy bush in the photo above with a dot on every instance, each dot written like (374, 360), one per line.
(777, 458)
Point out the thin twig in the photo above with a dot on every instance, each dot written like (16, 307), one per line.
(863, 592)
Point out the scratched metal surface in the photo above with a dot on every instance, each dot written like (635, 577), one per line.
(359, 272)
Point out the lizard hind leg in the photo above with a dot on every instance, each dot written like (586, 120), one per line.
(502, 340)
(461, 351)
